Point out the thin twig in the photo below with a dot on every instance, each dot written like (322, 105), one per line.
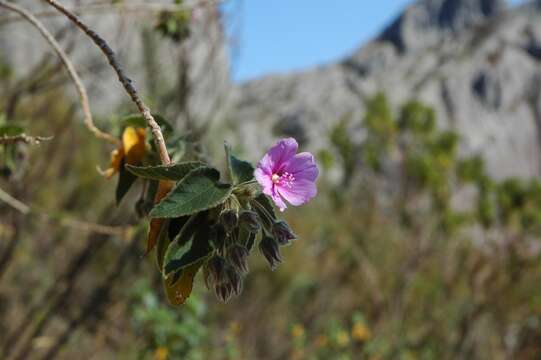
(23, 138)
(14, 203)
(124, 80)
(63, 220)
(83, 97)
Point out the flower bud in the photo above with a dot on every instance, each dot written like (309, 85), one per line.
(269, 248)
(229, 219)
(247, 192)
(219, 239)
(223, 292)
(238, 256)
(250, 221)
(207, 277)
(235, 280)
(282, 232)
(216, 269)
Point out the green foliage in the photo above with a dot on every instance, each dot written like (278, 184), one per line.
(193, 244)
(342, 142)
(174, 25)
(175, 172)
(380, 131)
(179, 334)
(240, 171)
(137, 120)
(199, 190)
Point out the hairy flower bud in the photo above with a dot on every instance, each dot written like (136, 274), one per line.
(235, 280)
(219, 239)
(223, 292)
(217, 269)
(229, 219)
(250, 221)
(269, 248)
(247, 192)
(238, 256)
(282, 232)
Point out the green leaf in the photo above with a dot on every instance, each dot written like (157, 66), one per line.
(178, 286)
(176, 225)
(182, 253)
(199, 190)
(138, 120)
(239, 170)
(175, 172)
(162, 244)
(264, 201)
(11, 130)
(125, 181)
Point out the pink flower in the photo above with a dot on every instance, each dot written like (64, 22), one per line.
(283, 174)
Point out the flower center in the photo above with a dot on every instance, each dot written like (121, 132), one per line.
(285, 179)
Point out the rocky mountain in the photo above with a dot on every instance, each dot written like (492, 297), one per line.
(476, 62)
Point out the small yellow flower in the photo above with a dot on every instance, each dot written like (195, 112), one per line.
(161, 353)
(342, 338)
(132, 150)
(361, 332)
(297, 331)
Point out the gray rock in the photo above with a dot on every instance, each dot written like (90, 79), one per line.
(473, 61)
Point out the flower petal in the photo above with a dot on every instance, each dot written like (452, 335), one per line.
(278, 201)
(264, 179)
(279, 154)
(300, 192)
(303, 167)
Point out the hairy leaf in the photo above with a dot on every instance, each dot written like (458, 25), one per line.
(125, 181)
(156, 224)
(191, 245)
(162, 243)
(175, 172)
(239, 170)
(199, 190)
(178, 286)
(139, 121)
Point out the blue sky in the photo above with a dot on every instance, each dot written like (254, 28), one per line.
(271, 36)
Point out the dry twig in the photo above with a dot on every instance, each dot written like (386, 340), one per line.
(83, 97)
(63, 220)
(23, 138)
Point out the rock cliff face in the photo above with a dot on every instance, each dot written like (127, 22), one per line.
(476, 62)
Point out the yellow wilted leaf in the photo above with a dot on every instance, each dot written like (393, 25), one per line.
(116, 160)
(133, 142)
(179, 291)
(133, 148)
(156, 224)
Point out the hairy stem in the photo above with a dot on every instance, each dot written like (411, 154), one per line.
(124, 80)
(83, 97)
